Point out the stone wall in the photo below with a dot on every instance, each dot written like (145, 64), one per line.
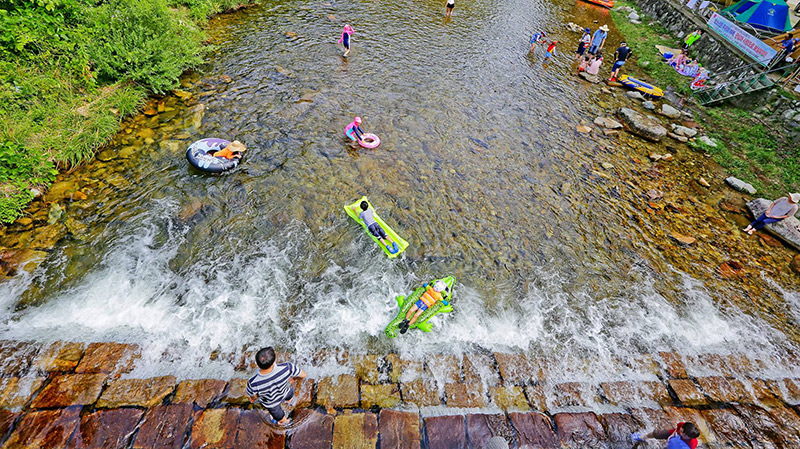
(714, 52)
(72, 395)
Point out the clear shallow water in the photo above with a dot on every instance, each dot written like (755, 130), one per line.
(481, 170)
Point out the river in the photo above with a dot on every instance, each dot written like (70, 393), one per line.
(481, 169)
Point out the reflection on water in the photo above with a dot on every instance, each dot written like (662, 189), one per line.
(480, 169)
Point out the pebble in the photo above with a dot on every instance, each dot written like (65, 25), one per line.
(703, 182)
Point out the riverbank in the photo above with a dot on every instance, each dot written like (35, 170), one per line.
(750, 144)
(70, 394)
(73, 71)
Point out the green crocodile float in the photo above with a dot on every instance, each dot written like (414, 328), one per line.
(405, 303)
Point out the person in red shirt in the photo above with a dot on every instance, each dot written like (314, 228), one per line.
(686, 431)
(551, 50)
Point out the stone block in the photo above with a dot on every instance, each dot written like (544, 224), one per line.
(579, 430)
(763, 429)
(688, 392)
(61, 356)
(137, 392)
(215, 428)
(721, 389)
(537, 397)
(726, 425)
(445, 432)
(316, 432)
(108, 429)
(237, 392)
(465, 395)
(574, 394)
(355, 431)
(254, 433)
(445, 369)
(70, 389)
(710, 364)
(534, 430)
(678, 414)
(7, 419)
(16, 357)
(509, 398)
(164, 427)
(44, 429)
(763, 395)
(366, 367)
(618, 428)
(737, 365)
(16, 391)
(199, 391)
(108, 358)
(420, 392)
(399, 430)
(479, 368)
(303, 392)
(787, 389)
(651, 418)
(514, 369)
(789, 422)
(655, 391)
(674, 365)
(481, 428)
(381, 395)
(339, 392)
(621, 392)
(402, 370)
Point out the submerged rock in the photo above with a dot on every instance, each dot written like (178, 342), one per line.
(678, 137)
(683, 239)
(649, 105)
(641, 125)
(607, 122)
(787, 230)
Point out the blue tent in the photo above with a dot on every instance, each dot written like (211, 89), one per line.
(771, 15)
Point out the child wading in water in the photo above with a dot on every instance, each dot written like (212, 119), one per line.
(345, 39)
(551, 50)
(449, 8)
(536, 38)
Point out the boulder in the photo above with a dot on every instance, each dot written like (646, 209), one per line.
(705, 140)
(740, 185)
(787, 230)
(641, 125)
(636, 95)
(683, 131)
(677, 137)
(607, 122)
(634, 16)
(595, 79)
(649, 105)
(669, 111)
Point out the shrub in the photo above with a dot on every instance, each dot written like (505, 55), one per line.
(143, 41)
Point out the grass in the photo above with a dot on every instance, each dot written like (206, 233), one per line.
(748, 148)
(71, 70)
(642, 39)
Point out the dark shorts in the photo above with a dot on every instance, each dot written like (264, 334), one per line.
(450, 6)
(346, 41)
(581, 48)
(421, 305)
(277, 412)
(376, 230)
(617, 65)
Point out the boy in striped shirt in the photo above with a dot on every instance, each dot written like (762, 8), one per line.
(271, 384)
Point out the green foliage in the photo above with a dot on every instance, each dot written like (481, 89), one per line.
(642, 39)
(143, 41)
(30, 165)
(13, 197)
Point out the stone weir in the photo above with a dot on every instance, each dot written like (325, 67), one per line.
(76, 395)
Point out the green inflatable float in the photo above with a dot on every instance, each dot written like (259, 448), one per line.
(353, 210)
(405, 303)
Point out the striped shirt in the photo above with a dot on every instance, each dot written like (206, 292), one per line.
(272, 388)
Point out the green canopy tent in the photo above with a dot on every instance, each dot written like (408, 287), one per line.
(770, 15)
